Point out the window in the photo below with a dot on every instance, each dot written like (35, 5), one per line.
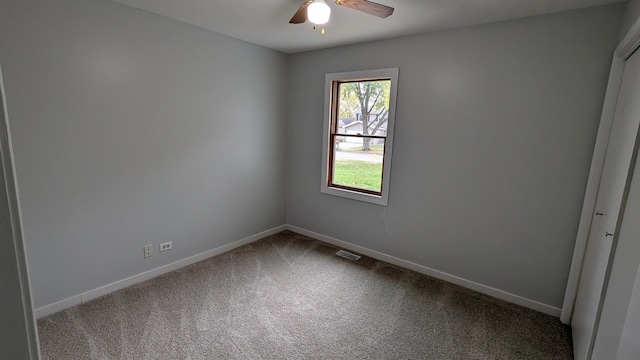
(358, 134)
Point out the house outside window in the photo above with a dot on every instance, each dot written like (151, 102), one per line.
(358, 134)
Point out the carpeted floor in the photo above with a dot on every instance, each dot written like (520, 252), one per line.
(289, 297)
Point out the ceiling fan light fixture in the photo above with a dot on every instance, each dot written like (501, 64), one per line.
(318, 12)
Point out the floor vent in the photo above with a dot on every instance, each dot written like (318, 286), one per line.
(348, 255)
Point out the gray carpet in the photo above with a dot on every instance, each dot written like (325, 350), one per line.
(289, 297)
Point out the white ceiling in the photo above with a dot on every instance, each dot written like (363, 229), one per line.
(266, 22)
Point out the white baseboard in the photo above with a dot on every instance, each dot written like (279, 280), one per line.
(484, 289)
(121, 284)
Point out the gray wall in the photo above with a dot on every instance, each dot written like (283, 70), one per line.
(133, 129)
(495, 127)
(631, 14)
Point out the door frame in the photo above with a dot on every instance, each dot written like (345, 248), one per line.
(623, 51)
(7, 163)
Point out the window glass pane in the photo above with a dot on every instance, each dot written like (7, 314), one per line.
(363, 107)
(355, 167)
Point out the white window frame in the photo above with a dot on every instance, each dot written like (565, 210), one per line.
(390, 73)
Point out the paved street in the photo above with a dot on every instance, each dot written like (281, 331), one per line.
(342, 155)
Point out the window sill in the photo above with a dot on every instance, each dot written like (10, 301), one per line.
(354, 195)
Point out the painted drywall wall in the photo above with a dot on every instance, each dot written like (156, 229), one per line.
(18, 337)
(631, 15)
(495, 128)
(133, 129)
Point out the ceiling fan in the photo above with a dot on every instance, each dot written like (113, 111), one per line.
(318, 12)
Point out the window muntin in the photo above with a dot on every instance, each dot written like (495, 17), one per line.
(359, 119)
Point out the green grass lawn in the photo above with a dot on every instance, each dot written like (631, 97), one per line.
(359, 174)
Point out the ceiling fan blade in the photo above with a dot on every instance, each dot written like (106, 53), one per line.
(301, 15)
(368, 7)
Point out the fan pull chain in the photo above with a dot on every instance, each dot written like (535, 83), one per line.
(321, 31)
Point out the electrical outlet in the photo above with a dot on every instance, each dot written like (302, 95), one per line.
(166, 246)
(148, 251)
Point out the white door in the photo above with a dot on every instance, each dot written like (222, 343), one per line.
(629, 345)
(18, 335)
(620, 301)
(616, 169)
